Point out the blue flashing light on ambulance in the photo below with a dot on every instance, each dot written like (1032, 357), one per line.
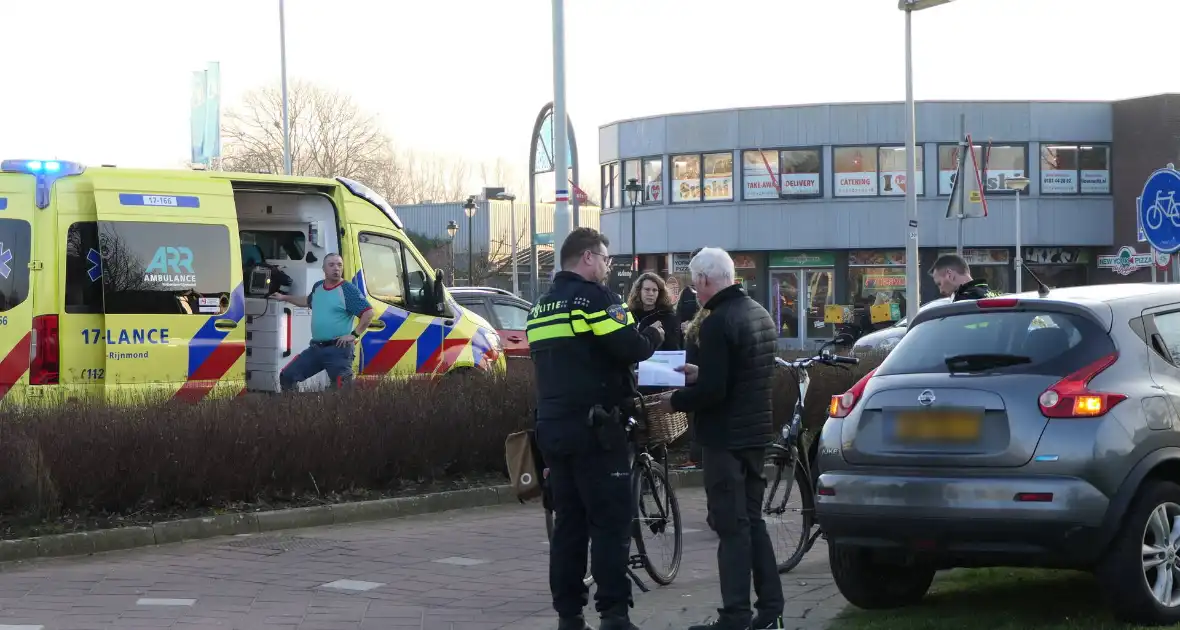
(116, 281)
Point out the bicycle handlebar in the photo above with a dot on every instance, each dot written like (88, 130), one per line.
(826, 359)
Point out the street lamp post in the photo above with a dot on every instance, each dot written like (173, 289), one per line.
(452, 229)
(913, 281)
(283, 62)
(469, 210)
(512, 217)
(634, 190)
(1018, 184)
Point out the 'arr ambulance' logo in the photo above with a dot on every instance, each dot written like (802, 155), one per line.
(172, 268)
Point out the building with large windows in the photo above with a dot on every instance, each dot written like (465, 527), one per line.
(810, 199)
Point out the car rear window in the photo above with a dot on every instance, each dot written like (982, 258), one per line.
(1018, 342)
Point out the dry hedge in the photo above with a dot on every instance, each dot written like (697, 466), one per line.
(177, 456)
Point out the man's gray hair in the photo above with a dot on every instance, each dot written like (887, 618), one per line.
(714, 263)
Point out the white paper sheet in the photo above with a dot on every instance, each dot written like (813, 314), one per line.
(659, 370)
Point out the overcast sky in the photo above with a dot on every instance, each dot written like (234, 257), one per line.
(109, 81)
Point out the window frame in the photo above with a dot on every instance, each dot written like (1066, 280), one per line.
(225, 295)
(1005, 191)
(1077, 171)
(407, 253)
(919, 148)
(700, 155)
(778, 151)
(643, 163)
(496, 300)
(66, 306)
(606, 187)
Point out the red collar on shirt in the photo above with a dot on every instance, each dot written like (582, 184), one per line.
(329, 288)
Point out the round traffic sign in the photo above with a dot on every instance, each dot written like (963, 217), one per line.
(1159, 209)
(1162, 259)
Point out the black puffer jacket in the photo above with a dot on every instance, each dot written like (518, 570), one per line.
(973, 290)
(732, 398)
(673, 336)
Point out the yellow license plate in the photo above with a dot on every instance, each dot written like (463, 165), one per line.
(938, 426)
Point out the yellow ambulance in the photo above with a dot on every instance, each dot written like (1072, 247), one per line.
(114, 281)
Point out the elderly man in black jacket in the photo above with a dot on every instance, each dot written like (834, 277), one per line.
(730, 389)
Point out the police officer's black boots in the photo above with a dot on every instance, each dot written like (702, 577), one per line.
(573, 623)
(616, 620)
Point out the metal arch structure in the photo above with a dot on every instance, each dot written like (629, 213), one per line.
(547, 113)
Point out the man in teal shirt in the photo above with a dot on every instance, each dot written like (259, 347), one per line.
(334, 304)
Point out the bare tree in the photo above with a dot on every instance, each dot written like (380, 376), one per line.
(330, 136)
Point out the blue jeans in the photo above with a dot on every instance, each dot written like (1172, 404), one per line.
(335, 359)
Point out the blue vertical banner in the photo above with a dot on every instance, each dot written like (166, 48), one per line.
(205, 117)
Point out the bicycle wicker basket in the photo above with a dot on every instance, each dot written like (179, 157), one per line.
(660, 427)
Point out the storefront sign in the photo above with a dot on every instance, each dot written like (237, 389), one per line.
(719, 188)
(876, 258)
(894, 182)
(1096, 182)
(654, 191)
(680, 263)
(996, 180)
(760, 174)
(802, 259)
(686, 190)
(855, 184)
(885, 282)
(982, 256)
(1058, 181)
(743, 261)
(800, 184)
(1056, 256)
(1126, 262)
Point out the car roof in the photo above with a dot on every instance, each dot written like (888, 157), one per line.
(480, 290)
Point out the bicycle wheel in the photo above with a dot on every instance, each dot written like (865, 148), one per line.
(788, 509)
(656, 509)
(589, 579)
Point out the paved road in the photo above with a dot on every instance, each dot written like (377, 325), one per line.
(464, 570)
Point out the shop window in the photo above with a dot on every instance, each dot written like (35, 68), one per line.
(653, 181)
(891, 173)
(702, 177)
(610, 185)
(1068, 169)
(855, 171)
(876, 277)
(631, 170)
(164, 268)
(774, 174)
(997, 164)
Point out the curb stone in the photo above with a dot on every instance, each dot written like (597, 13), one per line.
(166, 532)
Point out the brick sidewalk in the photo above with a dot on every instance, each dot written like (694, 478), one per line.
(465, 570)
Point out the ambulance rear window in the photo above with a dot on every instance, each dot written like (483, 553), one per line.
(164, 268)
(15, 246)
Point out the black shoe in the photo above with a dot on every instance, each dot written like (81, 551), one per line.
(617, 623)
(767, 623)
(573, 623)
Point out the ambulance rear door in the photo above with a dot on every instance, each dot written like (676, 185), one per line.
(17, 208)
(172, 285)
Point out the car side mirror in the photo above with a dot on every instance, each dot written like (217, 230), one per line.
(439, 297)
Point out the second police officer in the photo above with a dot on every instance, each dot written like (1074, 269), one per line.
(583, 344)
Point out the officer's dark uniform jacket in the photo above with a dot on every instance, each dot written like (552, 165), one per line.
(973, 290)
(583, 343)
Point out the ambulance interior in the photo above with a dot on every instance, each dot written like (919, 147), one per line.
(291, 232)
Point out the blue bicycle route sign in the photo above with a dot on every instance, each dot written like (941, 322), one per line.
(1159, 209)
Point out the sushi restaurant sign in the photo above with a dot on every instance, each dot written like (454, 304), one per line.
(1126, 262)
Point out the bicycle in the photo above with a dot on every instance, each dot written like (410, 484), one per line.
(1159, 210)
(788, 450)
(647, 475)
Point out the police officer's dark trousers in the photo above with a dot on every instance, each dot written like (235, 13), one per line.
(591, 490)
(734, 490)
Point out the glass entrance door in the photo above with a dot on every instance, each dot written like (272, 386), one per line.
(819, 286)
(785, 304)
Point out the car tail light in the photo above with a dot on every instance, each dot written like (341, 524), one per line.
(43, 368)
(997, 302)
(843, 404)
(1071, 397)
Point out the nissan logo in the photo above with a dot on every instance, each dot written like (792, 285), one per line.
(926, 398)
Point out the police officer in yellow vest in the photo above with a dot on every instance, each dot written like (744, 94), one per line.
(953, 277)
(583, 344)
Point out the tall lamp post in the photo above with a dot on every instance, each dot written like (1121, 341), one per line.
(512, 217)
(1018, 184)
(634, 190)
(469, 210)
(913, 281)
(452, 230)
(283, 66)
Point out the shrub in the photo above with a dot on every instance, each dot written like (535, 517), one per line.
(166, 457)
